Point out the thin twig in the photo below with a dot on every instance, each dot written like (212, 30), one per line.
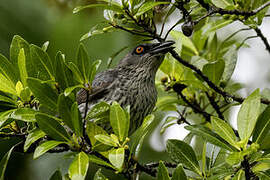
(263, 38)
(215, 105)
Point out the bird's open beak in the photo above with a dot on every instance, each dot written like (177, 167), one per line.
(162, 47)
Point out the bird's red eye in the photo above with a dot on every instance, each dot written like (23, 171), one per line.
(139, 50)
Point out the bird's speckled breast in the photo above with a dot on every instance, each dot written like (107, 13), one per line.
(136, 89)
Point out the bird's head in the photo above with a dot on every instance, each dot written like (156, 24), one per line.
(146, 56)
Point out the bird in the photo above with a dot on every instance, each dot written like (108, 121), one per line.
(131, 82)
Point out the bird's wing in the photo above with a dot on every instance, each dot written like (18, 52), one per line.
(100, 86)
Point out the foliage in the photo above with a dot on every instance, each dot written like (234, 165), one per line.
(38, 97)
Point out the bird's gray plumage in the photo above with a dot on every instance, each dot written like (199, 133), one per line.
(131, 82)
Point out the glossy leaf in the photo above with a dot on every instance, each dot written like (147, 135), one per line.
(223, 3)
(148, 5)
(248, 114)
(99, 161)
(64, 109)
(69, 90)
(262, 126)
(224, 130)
(99, 175)
(41, 63)
(63, 74)
(163, 173)
(52, 127)
(76, 119)
(79, 166)
(4, 162)
(119, 121)
(92, 129)
(56, 175)
(76, 72)
(214, 70)
(22, 67)
(33, 137)
(141, 133)
(112, 7)
(116, 157)
(179, 173)
(186, 42)
(94, 68)
(209, 136)
(99, 110)
(16, 45)
(8, 69)
(83, 61)
(46, 146)
(7, 85)
(230, 59)
(105, 139)
(44, 93)
(24, 114)
(180, 152)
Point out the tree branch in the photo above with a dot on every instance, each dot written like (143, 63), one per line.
(263, 38)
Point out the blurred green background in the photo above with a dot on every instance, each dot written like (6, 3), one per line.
(38, 21)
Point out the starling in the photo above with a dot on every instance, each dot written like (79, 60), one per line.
(131, 82)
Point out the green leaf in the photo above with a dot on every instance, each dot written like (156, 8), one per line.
(209, 136)
(22, 67)
(105, 139)
(185, 41)
(52, 127)
(63, 74)
(7, 85)
(172, 67)
(57, 174)
(99, 175)
(76, 119)
(248, 114)
(94, 68)
(45, 46)
(214, 70)
(262, 126)
(3, 163)
(112, 7)
(230, 59)
(163, 173)
(83, 62)
(179, 173)
(99, 161)
(180, 152)
(263, 166)
(32, 137)
(167, 101)
(119, 121)
(99, 110)
(4, 117)
(224, 130)
(69, 90)
(46, 146)
(240, 175)
(92, 129)
(7, 99)
(64, 109)
(24, 114)
(116, 157)
(79, 166)
(46, 95)
(16, 45)
(141, 133)
(76, 72)
(234, 158)
(223, 3)
(41, 63)
(148, 5)
(8, 69)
